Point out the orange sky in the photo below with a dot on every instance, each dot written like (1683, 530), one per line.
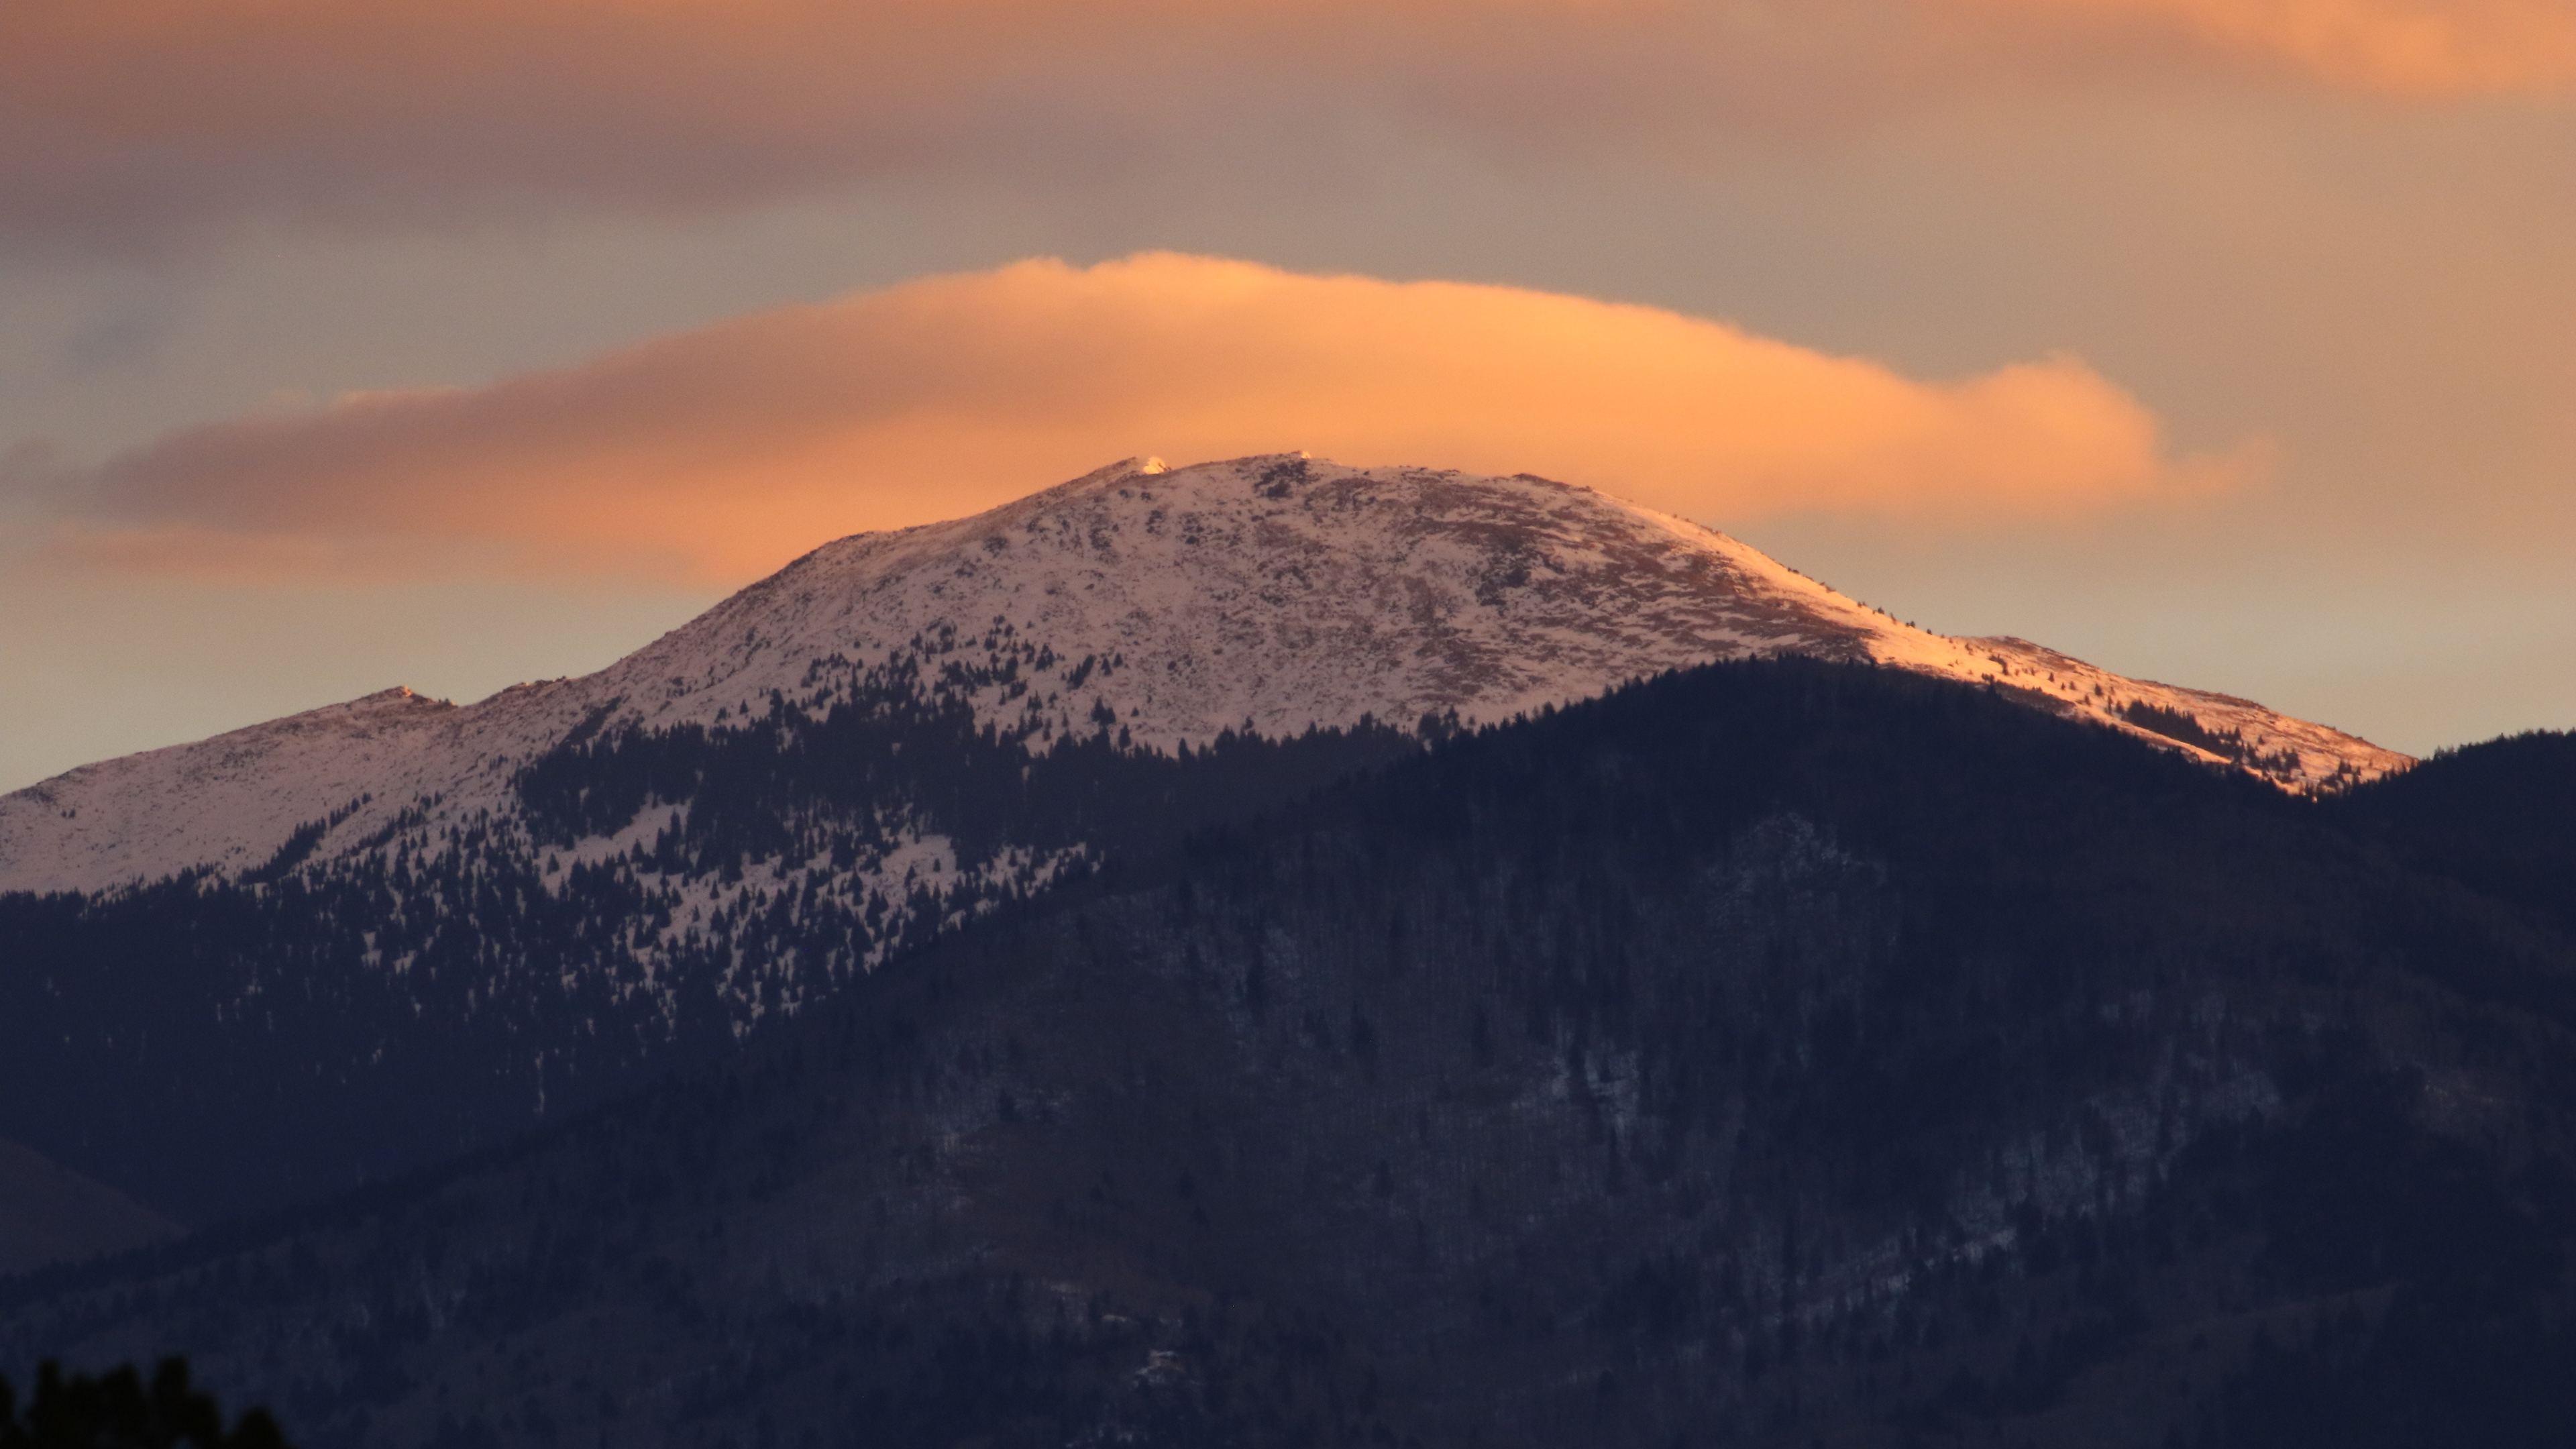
(131, 118)
(2220, 339)
(2407, 47)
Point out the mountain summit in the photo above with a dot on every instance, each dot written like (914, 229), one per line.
(1264, 595)
(398, 929)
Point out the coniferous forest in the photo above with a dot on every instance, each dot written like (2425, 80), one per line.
(1775, 1053)
(326, 1025)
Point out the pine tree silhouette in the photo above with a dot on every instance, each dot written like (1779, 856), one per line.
(117, 1411)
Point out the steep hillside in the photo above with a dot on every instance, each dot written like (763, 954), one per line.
(1270, 594)
(1775, 1054)
(400, 929)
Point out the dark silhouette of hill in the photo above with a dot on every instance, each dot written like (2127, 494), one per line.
(2498, 817)
(48, 1215)
(1777, 1054)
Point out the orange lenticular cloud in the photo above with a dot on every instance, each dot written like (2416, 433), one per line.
(716, 454)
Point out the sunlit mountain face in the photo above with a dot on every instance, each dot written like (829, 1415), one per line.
(1267, 596)
(465, 920)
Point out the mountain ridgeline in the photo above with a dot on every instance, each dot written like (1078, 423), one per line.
(1773, 1053)
(1263, 595)
(352, 943)
(2494, 816)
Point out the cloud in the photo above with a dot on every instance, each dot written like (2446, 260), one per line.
(128, 118)
(2422, 48)
(134, 119)
(716, 454)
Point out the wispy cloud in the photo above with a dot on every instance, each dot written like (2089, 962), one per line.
(715, 454)
(136, 119)
(2399, 47)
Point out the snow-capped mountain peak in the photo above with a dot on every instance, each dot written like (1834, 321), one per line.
(1269, 593)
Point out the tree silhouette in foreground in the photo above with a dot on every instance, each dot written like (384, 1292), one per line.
(117, 1411)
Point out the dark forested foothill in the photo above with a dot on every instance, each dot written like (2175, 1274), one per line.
(1773, 1054)
(2495, 817)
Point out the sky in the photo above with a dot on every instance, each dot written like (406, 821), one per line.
(2225, 342)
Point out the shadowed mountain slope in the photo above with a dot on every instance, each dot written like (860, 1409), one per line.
(49, 1215)
(2499, 817)
(1780, 1053)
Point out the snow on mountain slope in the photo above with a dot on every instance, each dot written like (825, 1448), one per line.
(228, 802)
(1275, 592)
